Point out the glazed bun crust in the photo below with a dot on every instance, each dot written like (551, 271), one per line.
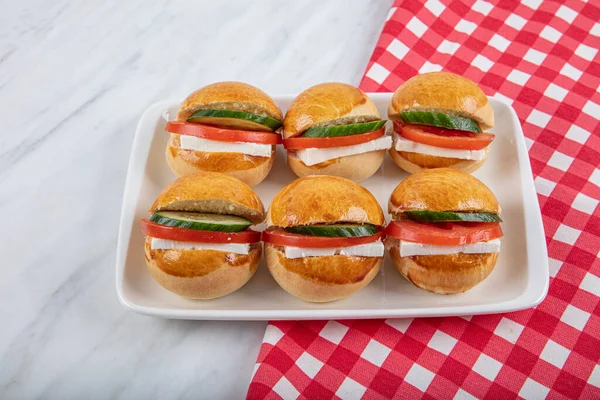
(323, 199)
(234, 96)
(201, 274)
(325, 103)
(442, 189)
(445, 274)
(321, 279)
(210, 192)
(415, 162)
(357, 167)
(251, 170)
(443, 92)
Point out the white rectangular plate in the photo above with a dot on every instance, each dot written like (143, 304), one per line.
(520, 279)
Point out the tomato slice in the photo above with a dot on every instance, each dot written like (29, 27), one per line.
(299, 143)
(190, 235)
(220, 134)
(446, 138)
(281, 237)
(444, 233)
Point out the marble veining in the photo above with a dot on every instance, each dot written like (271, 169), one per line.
(74, 79)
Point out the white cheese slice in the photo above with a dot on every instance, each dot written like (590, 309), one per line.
(408, 249)
(214, 146)
(403, 144)
(163, 244)
(312, 156)
(375, 249)
(301, 252)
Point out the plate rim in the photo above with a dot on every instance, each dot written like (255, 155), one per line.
(535, 292)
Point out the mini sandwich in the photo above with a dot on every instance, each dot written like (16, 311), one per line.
(324, 238)
(227, 127)
(439, 121)
(198, 242)
(334, 129)
(445, 231)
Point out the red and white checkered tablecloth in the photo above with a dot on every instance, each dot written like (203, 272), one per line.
(543, 57)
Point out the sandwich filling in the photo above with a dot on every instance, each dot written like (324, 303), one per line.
(408, 249)
(199, 231)
(216, 146)
(165, 244)
(430, 233)
(323, 143)
(440, 135)
(358, 240)
(226, 131)
(409, 146)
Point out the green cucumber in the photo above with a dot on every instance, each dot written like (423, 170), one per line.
(341, 230)
(200, 221)
(449, 216)
(342, 130)
(235, 119)
(440, 120)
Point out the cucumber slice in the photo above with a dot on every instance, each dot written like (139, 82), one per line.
(448, 216)
(235, 119)
(200, 221)
(440, 120)
(343, 130)
(341, 230)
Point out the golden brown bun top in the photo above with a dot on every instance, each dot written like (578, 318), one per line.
(327, 102)
(442, 189)
(443, 92)
(235, 96)
(323, 199)
(211, 192)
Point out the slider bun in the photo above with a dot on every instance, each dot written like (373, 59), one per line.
(443, 92)
(442, 189)
(234, 96)
(415, 162)
(321, 279)
(328, 104)
(357, 167)
(251, 170)
(323, 199)
(201, 274)
(210, 192)
(445, 274)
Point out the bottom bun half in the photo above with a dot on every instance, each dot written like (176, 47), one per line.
(321, 279)
(202, 274)
(251, 170)
(415, 162)
(357, 167)
(445, 274)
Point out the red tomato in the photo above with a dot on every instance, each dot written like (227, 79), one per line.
(280, 237)
(191, 235)
(444, 233)
(220, 134)
(446, 138)
(299, 143)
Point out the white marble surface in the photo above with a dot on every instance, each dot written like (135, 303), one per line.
(74, 79)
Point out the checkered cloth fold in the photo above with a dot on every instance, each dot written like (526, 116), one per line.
(543, 58)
